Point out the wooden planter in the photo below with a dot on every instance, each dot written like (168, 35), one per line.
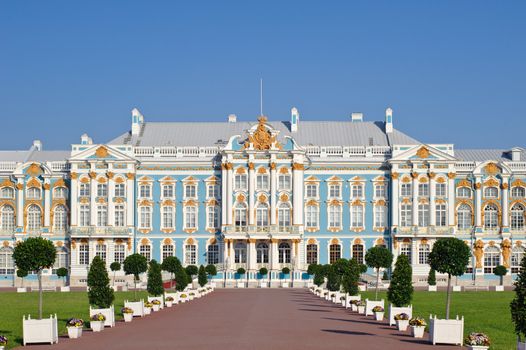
(370, 304)
(109, 313)
(394, 310)
(40, 331)
(136, 306)
(160, 298)
(446, 331)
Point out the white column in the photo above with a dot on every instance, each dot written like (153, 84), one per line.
(73, 195)
(251, 193)
(451, 200)
(20, 203)
(274, 254)
(415, 199)
(231, 253)
(229, 193)
(251, 245)
(47, 205)
(273, 193)
(93, 200)
(432, 204)
(505, 205)
(111, 205)
(297, 194)
(414, 252)
(295, 252)
(130, 200)
(478, 202)
(394, 200)
(223, 194)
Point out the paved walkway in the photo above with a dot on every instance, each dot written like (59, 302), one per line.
(250, 319)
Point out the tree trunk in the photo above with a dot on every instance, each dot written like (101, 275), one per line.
(114, 277)
(448, 295)
(501, 280)
(135, 288)
(39, 275)
(377, 282)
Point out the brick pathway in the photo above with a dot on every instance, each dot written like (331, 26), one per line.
(249, 319)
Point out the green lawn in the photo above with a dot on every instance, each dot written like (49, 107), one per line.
(486, 312)
(65, 305)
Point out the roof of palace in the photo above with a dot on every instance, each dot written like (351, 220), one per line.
(34, 155)
(319, 133)
(480, 155)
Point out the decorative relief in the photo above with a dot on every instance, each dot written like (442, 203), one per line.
(20, 186)
(478, 185)
(414, 174)
(33, 183)
(284, 197)
(262, 139)
(451, 175)
(464, 183)
(250, 166)
(518, 183)
(506, 252)
(406, 179)
(431, 175)
(504, 186)
(422, 152)
(395, 175)
(110, 175)
(283, 170)
(298, 166)
(47, 186)
(423, 180)
(491, 169)
(73, 175)
(101, 152)
(130, 176)
(34, 170)
(491, 183)
(240, 170)
(311, 241)
(7, 183)
(92, 174)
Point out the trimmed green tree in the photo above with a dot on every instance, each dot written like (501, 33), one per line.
(181, 278)
(432, 278)
(333, 278)
(311, 270)
(202, 277)
(450, 256)
(241, 271)
(285, 270)
(35, 254)
(171, 264)
(135, 264)
(192, 270)
(351, 277)
(211, 270)
(518, 304)
(115, 266)
(400, 291)
(378, 257)
(62, 273)
(100, 293)
(154, 285)
(263, 271)
(320, 274)
(500, 271)
(21, 274)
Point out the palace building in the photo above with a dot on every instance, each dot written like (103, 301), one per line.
(264, 193)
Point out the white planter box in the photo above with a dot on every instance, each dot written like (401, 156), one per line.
(457, 288)
(21, 290)
(351, 298)
(402, 325)
(477, 347)
(97, 326)
(147, 310)
(393, 310)
(136, 306)
(521, 345)
(369, 304)
(160, 298)
(418, 331)
(173, 295)
(263, 284)
(40, 331)
(431, 288)
(446, 331)
(128, 317)
(354, 307)
(241, 284)
(284, 284)
(74, 332)
(109, 313)
(499, 288)
(65, 289)
(361, 309)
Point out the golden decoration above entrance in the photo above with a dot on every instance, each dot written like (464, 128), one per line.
(262, 139)
(422, 152)
(101, 152)
(491, 168)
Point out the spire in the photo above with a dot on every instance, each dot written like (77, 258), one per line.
(389, 120)
(294, 119)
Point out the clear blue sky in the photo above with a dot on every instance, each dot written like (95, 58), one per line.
(453, 71)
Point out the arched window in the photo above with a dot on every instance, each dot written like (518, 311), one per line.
(7, 220)
(7, 265)
(146, 251)
(168, 216)
(34, 218)
(60, 218)
(517, 217)
(518, 192)
(312, 254)
(491, 259)
(311, 216)
(33, 193)
(517, 254)
(357, 253)
(61, 259)
(7, 193)
(60, 192)
(405, 249)
(284, 253)
(464, 192)
(240, 215)
(262, 215)
(491, 217)
(101, 251)
(464, 217)
(168, 250)
(491, 192)
(146, 217)
(190, 217)
(335, 253)
(423, 254)
(213, 254)
(284, 216)
(190, 255)
(262, 253)
(240, 253)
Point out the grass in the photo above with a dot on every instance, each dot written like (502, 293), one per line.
(65, 305)
(486, 312)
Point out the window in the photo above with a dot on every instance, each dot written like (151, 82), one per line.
(405, 190)
(262, 215)
(491, 192)
(168, 191)
(356, 216)
(261, 182)
(146, 217)
(284, 253)
(61, 259)
(240, 215)
(284, 182)
(85, 215)
(491, 217)
(240, 253)
(440, 190)
(190, 255)
(440, 213)
(380, 190)
(405, 249)
(190, 217)
(335, 216)
(119, 253)
(312, 191)
(335, 253)
(262, 253)
(7, 264)
(84, 254)
(423, 215)
(145, 191)
(119, 190)
(517, 217)
(119, 215)
(357, 253)
(7, 220)
(334, 191)
(60, 218)
(146, 251)
(284, 215)
(406, 215)
(102, 215)
(517, 254)
(423, 190)
(213, 191)
(311, 216)
(100, 251)
(84, 189)
(167, 251)
(213, 254)
(464, 192)
(240, 182)
(518, 192)
(491, 259)
(312, 254)
(190, 191)
(33, 193)
(34, 218)
(380, 216)
(423, 254)
(102, 190)
(464, 217)
(60, 192)
(357, 191)
(7, 192)
(167, 216)
(213, 217)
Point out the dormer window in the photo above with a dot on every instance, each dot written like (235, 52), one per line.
(491, 192)
(145, 191)
(33, 193)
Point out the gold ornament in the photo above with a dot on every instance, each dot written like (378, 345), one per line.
(491, 168)
(262, 139)
(101, 152)
(422, 152)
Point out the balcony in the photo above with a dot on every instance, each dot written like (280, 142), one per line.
(255, 230)
(107, 231)
(424, 231)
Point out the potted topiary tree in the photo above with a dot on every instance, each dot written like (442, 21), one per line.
(63, 273)
(114, 267)
(263, 272)
(377, 257)
(20, 273)
(432, 281)
(319, 276)
(240, 274)
(100, 294)
(202, 277)
(135, 264)
(211, 271)
(154, 285)
(449, 256)
(518, 307)
(171, 264)
(400, 291)
(500, 271)
(285, 275)
(350, 282)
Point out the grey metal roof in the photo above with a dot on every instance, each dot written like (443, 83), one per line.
(480, 155)
(34, 155)
(320, 133)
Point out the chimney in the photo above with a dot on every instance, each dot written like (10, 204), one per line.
(516, 154)
(37, 145)
(232, 118)
(357, 117)
(85, 140)
(388, 120)
(294, 119)
(137, 121)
